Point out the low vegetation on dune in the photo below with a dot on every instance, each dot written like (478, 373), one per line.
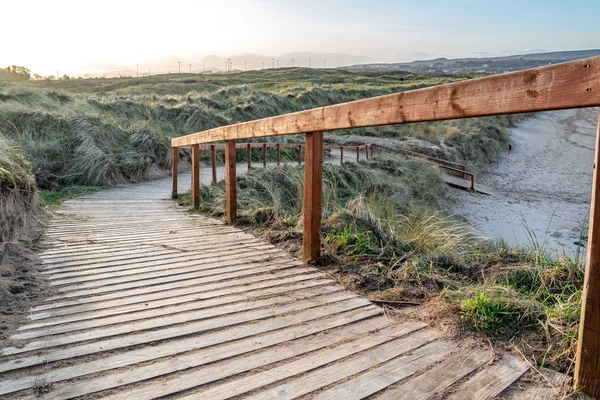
(99, 132)
(388, 232)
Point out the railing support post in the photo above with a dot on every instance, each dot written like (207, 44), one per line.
(230, 182)
(278, 154)
(371, 150)
(195, 176)
(313, 194)
(587, 365)
(174, 161)
(367, 151)
(249, 155)
(357, 153)
(213, 157)
(264, 155)
(299, 155)
(341, 155)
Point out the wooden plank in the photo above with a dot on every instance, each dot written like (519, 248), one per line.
(215, 316)
(491, 381)
(381, 377)
(195, 176)
(313, 196)
(377, 351)
(230, 182)
(174, 161)
(437, 379)
(181, 304)
(169, 333)
(587, 365)
(255, 361)
(573, 84)
(213, 159)
(177, 297)
(172, 289)
(238, 341)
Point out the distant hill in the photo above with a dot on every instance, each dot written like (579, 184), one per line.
(479, 65)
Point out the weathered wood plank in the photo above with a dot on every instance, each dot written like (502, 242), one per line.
(587, 366)
(573, 84)
(241, 340)
(440, 377)
(491, 381)
(332, 371)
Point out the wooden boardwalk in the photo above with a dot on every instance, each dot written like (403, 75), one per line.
(157, 302)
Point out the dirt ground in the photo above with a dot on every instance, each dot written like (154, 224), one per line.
(544, 184)
(21, 284)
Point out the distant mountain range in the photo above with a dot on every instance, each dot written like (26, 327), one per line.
(478, 65)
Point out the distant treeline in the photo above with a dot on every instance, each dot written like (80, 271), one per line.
(15, 73)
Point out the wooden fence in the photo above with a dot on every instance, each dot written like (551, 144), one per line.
(569, 85)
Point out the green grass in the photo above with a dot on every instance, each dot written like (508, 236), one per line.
(55, 198)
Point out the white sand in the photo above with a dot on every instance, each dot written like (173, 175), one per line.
(544, 183)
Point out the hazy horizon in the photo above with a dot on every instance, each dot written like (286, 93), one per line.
(108, 35)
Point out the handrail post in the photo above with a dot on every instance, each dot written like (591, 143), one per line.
(249, 155)
(213, 157)
(264, 155)
(341, 155)
(174, 161)
(357, 153)
(195, 176)
(366, 151)
(473, 183)
(278, 154)
(313, 195)
(371, 150)
(230, 182)
(299, 154)
(587, 365)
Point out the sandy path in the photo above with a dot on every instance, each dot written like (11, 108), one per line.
(544, 183)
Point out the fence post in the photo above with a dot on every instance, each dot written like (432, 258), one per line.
(587, 365)
(264, 155)
(195, 176)
(341, 155)
(249, 155)
(213, 154)
(357, 153)
(278, 154)
(174, 161)
(371, 150)
(230, 182)
(367, 151)
(313, 194)
(299, 154)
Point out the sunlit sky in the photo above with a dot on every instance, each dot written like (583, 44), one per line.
(86, 36)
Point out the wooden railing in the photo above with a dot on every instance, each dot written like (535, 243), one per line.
(574, 84)
(449, 166)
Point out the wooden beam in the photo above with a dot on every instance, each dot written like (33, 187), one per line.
(587, 366)
(313, 194)
(574, 84)
(174, 161)
(195, 176)
(249, 156)
(230, 182)
(213, 153)
(278, 154)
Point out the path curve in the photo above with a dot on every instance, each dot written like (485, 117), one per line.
(155, 301)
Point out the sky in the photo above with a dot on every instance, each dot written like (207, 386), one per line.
(75, 37)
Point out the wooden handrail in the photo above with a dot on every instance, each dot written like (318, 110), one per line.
(574, 84)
